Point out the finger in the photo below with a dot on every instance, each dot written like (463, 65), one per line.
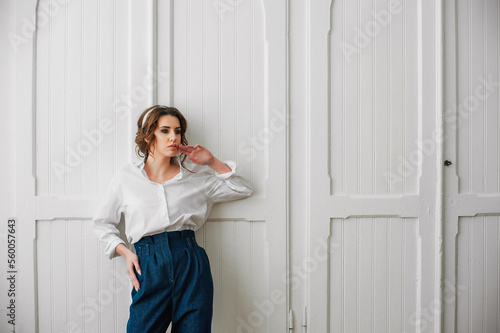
(135, 282)
(191, 148)
(133, 268)
(137, 267)
(186, 149)
(138, 270)
(186, 146)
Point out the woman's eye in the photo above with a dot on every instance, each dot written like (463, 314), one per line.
(166, 131)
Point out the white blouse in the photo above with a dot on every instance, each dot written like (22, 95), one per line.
(181, 203)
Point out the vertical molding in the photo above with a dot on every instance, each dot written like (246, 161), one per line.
(164, 39)
(24, 103)
(203, 71)
(498, 267)
(374, 108)
(65, 86)
(51, 270)
(420, 112)
(452, 228)
(154, 53)
(82, 89)
(403, 107)
(439, 49)
(277, 186)
(49, 100)
(287, 165)
(358, 105)
(389, 104)
(403, 270)
(252, 85)
(319, 223)
(344, 127)
(485, 103)
(388, 264)
(115, 117)
(189, 60)
(83, 267)
(98, 90)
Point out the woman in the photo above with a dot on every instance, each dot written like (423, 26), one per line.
(163, 202)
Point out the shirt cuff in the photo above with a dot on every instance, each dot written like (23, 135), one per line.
(110, 249)
(226, 175)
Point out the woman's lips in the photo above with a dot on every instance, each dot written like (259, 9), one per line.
(172, 146)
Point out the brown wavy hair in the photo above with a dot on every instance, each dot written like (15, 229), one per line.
(146, 132)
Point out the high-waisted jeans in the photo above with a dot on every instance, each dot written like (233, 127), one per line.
(176, 285)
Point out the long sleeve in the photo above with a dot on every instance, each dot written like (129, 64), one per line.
(106, 220)
(146, 207)
(227, 186)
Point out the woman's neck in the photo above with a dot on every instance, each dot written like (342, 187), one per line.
(160, 167)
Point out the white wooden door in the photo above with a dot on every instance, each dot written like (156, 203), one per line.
(471, 292)
(374, 228)
(95, 66)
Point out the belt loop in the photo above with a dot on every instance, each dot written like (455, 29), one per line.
(138, 249)
(189, 241)
(147, 249)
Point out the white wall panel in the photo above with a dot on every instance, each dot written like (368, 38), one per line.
(239, 261)
(373, 101)
(220, 83)
(478, 123)
(373, 281)
(79, 289)
(477, 291)
(81, 98)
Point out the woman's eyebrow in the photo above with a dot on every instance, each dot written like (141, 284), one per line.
(169, 127)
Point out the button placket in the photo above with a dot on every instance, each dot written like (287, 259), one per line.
(165, 206)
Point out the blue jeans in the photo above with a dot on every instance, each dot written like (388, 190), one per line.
(176, 285)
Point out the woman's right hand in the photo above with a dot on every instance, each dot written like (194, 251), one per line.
(132, 264)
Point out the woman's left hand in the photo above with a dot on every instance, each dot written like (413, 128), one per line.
(197, 154)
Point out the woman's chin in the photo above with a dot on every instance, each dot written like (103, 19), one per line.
(170, 153)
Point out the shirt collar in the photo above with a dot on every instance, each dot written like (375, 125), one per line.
(140, 165)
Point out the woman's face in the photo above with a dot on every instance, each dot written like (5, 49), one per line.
(167, 136)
